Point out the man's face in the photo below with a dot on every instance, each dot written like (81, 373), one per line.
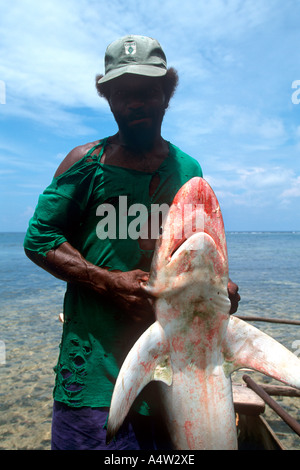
(138, 104)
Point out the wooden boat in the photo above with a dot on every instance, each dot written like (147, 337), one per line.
(254, 432)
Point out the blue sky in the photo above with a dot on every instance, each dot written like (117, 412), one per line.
(233, 110)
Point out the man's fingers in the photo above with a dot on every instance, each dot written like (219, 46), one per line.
(233, 295)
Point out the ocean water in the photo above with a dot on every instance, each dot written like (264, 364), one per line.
(265, 265)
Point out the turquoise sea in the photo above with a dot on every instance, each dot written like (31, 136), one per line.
(265, 265)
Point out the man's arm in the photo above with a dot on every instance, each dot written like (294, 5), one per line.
(123, 288)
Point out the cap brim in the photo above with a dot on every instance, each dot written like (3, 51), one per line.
(146, 70)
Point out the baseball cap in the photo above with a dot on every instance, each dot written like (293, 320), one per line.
(140, 55)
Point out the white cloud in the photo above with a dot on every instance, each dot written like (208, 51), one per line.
(5, 172)
(254, 186)
(50, 53)
(293, 191)
(51, 50)
(213, 20)
(194, 119)
(259, 177)
(28, 212)
(246, 122)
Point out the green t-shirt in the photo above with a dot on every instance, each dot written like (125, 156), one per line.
(96, 335)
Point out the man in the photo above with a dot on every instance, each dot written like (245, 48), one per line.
(105, 308)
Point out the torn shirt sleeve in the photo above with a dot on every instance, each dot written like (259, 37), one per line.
(60, 208)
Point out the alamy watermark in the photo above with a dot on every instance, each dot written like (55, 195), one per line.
(135, 221)
(2, 92)
(296, 94)
(2, 353)
(296, 345)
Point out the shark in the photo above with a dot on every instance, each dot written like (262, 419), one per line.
(195, 345)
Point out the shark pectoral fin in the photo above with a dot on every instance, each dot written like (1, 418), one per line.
(246, 346)
(147, 360)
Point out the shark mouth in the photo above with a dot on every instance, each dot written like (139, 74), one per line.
(181, 242)
(177, 246)
(186, 238)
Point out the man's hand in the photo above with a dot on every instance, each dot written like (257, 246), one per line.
(124, 289)
(233, 295)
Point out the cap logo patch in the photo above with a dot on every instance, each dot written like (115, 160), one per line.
(130, 48)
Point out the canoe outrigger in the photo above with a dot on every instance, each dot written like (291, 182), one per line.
(254, 432)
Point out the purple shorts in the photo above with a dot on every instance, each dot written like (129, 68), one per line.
(85, 429)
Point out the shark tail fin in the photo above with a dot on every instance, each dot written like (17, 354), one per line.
(247, 346)
(147, 360)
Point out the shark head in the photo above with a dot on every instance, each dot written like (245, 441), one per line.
(190, 260)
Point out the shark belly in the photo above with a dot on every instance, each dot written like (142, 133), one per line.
(198, 408)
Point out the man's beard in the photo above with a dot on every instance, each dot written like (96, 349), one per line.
(142, 136)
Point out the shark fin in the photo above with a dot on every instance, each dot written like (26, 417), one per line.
(247, 346)
(147, 360)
